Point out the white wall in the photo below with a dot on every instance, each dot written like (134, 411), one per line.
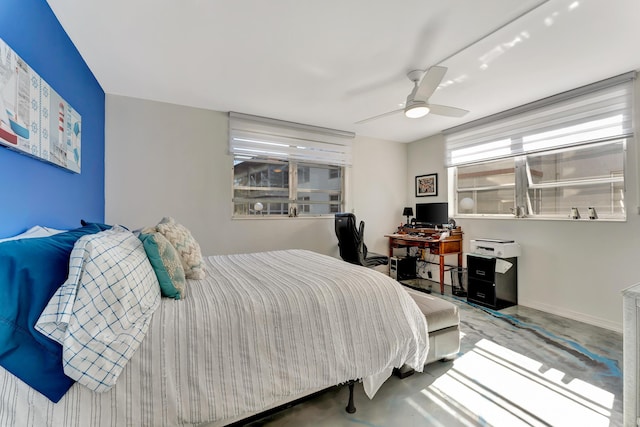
(378, 192)
(169, 160)
(426, 157)
(573, 269)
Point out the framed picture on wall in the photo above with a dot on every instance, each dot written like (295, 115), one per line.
(427, 185)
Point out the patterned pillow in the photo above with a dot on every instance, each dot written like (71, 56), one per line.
(181, 239)
(101, 313)
(166, 263)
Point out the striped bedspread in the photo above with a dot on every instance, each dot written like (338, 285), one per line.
(259, 329)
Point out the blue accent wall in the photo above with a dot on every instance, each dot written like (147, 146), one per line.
(33, 192)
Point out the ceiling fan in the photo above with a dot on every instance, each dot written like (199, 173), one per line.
(417, 105)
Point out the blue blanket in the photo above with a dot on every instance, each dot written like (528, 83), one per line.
(31, 270)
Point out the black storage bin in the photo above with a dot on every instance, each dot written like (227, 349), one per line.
(459, 281)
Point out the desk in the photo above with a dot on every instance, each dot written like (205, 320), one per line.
(451, 245)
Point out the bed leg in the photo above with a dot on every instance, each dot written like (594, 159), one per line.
(350, 406)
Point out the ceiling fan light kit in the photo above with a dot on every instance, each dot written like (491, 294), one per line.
(416, 110)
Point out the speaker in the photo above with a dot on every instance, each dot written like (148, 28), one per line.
(402, 268)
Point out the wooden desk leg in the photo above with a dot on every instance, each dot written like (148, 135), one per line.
(442, 274)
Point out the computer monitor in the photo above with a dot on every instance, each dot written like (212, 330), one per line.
(432, 214)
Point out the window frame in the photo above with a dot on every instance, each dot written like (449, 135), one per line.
(263, 139)
(597, 117)
(522, 207)
(294, 192)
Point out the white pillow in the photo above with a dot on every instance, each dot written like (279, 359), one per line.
(34, 232)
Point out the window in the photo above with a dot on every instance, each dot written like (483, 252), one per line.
(263, 181)
(336, 206)
(287, 169)
(545, 158)
(304, 175)
(582, 177)
(321, 194)
(491, 185)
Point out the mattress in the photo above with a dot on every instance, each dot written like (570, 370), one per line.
(259, 329)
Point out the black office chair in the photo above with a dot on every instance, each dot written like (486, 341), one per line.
(351, 242)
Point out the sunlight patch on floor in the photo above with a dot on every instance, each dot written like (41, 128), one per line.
(492, 385)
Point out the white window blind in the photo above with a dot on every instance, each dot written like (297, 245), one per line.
(264, 138)
(598, 112)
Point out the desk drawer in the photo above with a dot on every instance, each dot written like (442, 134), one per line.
(451, 246)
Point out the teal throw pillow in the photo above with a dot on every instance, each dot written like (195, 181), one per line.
(166, 263)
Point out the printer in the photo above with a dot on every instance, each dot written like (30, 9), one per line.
(495, 248)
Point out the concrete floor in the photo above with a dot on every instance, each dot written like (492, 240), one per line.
(516, 367)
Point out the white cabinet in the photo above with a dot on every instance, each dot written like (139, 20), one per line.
(631, 369)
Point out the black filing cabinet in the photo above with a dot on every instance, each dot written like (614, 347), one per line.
(489, 286)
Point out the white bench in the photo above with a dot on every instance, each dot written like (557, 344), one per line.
(443, 321)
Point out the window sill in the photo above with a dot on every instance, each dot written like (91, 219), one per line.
(535, 218)
(281, 217)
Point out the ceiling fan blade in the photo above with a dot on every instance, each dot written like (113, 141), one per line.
(430, 82)
(444, 110)
(379, 116)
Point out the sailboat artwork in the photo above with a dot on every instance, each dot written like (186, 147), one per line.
(34, 119)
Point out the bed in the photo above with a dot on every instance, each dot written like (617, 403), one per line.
(258, 330)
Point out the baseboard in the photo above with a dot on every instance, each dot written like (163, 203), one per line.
(574, 315)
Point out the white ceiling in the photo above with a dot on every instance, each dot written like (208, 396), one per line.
(332, 63)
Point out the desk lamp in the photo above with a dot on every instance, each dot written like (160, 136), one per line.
(408, 211)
